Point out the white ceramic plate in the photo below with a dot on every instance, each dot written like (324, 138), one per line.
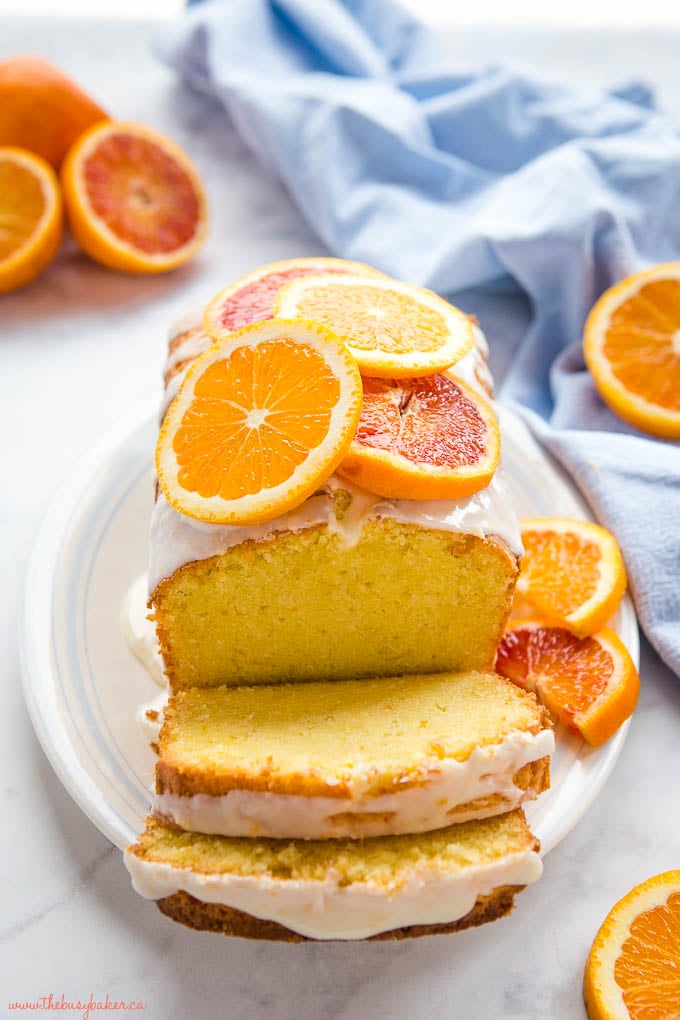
(83, 686)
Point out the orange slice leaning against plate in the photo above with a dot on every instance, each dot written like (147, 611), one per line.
(590, 684)
(30, 216)
(251, 298)
(572, 572)
(631, 344)
(633, 970)
(260, 420)
(394, 330)
(427, 438)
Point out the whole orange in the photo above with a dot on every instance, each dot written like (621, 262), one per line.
(41, 109)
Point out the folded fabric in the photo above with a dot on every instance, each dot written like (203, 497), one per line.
(456, 179)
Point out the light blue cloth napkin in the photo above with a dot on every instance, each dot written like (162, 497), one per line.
(458, 179)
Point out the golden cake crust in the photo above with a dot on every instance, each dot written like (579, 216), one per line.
(214, 917)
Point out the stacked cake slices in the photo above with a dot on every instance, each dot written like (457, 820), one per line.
(336, 759)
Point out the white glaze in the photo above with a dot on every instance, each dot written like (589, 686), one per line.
(139, 631)
(189, 348)
(328, 910)
(175, 540)
(443, 786)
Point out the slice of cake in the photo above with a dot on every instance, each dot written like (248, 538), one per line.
(351, 758)
(390, 887)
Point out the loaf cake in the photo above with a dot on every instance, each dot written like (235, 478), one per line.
(379, 798)
(349, 758)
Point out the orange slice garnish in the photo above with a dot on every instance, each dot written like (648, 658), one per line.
(260, 420)
(30, 216)
(572, 572)
(133, 198)
(590, 684)
(633, 969)
(251, 298)
(394, 330)
(427, 438)
(631, 344)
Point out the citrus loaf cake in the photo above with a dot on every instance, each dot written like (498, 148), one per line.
(330, 509)
(349, 758)
(324, 589)
(389, 887)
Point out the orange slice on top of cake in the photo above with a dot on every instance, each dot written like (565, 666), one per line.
(393, 329)
(251, 298)
(426, 438)
(260, 420)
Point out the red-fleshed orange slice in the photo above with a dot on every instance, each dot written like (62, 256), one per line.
(427, 438)
(261, 419)
(591, 684)
(133, 198)
(251, 298)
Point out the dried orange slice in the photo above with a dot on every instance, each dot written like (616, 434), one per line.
(427, 438)
(30, 216)
(133, 198)
(590, 684)
(251, 298)
(633, 969)
(394, 330)
(572, 572)
(260, 420)
(631, 344)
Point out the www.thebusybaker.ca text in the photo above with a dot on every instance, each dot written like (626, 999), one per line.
(84, 1007)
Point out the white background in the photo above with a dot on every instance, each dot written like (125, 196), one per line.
(520, 12)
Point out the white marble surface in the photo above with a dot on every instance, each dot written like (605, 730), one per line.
(82, 347)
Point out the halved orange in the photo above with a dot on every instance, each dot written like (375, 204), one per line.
(631, 343)
(633, 969)
(572, 572)
(427, 438)
(134, 200)
(31, 221)
(260, 420)
(590, 684)
(251, 298)
(393, 329)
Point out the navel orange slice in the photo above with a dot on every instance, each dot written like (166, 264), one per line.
(30, 216)
(631, 344)
(133, 198)
(633, 969)
(427, 438)
(260, 420)
(572, 572)
(394, 330)
(251, 298)
(590, 684)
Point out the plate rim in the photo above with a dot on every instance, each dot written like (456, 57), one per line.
(38, 679)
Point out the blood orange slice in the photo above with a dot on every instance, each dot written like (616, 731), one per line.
(591, 684)
(427, 438)
(134, 200)
(260, 420)
(251, 298)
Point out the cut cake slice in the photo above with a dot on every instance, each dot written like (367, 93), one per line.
(350, 758)
(389, 887)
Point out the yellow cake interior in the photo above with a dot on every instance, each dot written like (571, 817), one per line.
(307, 606)
(327, 738)
(381, 860)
